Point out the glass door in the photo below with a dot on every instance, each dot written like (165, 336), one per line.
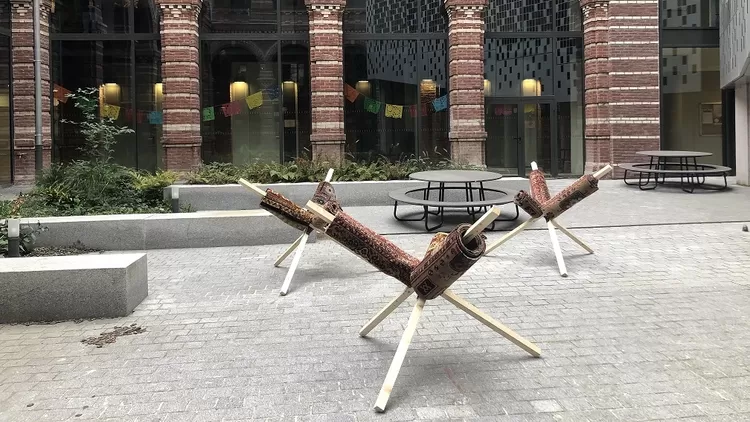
(517, 134)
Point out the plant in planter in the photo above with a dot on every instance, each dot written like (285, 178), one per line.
(27, 240)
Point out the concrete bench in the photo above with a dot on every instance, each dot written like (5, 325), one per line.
(71, 287)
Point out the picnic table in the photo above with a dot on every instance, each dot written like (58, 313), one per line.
(691, 173)
(441, 181)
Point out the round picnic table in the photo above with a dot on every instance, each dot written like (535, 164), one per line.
(683, 164)
(471, 181)
(665, 159)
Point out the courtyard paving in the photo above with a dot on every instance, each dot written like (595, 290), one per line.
(654, 326)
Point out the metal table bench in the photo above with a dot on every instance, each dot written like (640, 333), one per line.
(421, 198)
(691, 176)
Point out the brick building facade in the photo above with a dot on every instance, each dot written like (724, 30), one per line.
(573, 85)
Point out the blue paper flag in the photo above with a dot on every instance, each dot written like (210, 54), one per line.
(156, 117)
(272, 93)
(441, 103)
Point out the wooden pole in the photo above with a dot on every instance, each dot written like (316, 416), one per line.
(557, 249)
(398, 358)
(390, 307)
(572, 237)
(252, 187)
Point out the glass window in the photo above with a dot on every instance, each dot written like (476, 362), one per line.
(149, 97)
(433, 84)
(434, 16)
(294, 16)
(691, 100)
(690, 13)
(146, 16)
(295, 98)
(4, 14)
(568, 15)
(91, 16)
(569, 97)
(518, 67)
(239, 16)
(5, 115)
(382, 104)
(519, 15)
(93, 64)
(241, 94)
(384, 16)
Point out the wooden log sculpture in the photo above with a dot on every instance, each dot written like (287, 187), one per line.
(448, 257)
(297, 217)
(538, 204)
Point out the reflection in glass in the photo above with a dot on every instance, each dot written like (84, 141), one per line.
(568, 15)
(537, 136)
(691, 98)
(385, 73)
(569, 96)
(503, 137)
(5, 116)
(294, 16)
(519, 15)
(239, 16)
(149, 97)
(91, 16)
(295, 97)
(4, 14)
(386, 16)
(99, 64)
(433, 126)
(510, 61)
(690, 13)
(241, 85)
(146, 16)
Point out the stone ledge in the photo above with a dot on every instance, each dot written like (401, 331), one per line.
(71, 287)
(165, 231)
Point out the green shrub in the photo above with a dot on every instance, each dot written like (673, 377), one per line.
(303, 170)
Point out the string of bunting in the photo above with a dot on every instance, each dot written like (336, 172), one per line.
(233, 108)
(394, 111)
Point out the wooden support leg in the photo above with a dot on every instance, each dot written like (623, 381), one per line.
(558, 251)
(398, 359)
(487, 320)
(295, 263)
(510, 235)
(383, 314)
(572, 237)
(288, 251)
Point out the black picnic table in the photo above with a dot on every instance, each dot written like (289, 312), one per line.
(662, 164)
(470, 181)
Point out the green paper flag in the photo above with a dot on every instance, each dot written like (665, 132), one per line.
(208, 114)
(373, 106)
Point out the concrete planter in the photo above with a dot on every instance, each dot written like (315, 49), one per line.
(165, 231)
(236, 197)
(71, 287)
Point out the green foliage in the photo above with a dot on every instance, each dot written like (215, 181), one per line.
(28, 237)
(92, 187)
(303, 170)
(100, 132)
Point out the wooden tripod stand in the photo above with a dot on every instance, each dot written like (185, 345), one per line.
(298, 245)
(411, 327)
(551, 225)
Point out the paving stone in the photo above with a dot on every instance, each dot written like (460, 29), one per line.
(652, 326)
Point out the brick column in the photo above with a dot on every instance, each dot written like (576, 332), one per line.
(626, 32)
(327, 78)
(22, 59)
(181, 84)
(596, 65)
(466, 80)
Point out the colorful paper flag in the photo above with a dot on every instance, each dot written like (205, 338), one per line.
(394, 111)
(440, 104)
(231, 109)
(156, 118)
(255, 100)
(373, 106)
(61, 94)
(110, 111)
(272, 93)
(350, 93)
(208, 114)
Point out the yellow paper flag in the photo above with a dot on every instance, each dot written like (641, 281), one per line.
(394, 111)
(111, 111)
(255, 100)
